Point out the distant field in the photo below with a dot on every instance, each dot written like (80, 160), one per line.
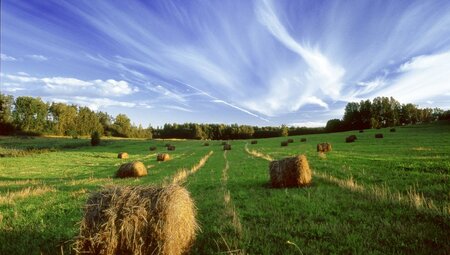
(377, 196)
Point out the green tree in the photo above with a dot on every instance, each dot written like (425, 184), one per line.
(334, 125)
(122, 126)
(87, 122)
(63, 118)
(30, 114)
(6, 103)
(284, 131)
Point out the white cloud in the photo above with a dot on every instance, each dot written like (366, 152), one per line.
(307, 124)
(37, 57)
(74, 86)
(93, 103)
(4, 57)
(23, 74)
(422, 78)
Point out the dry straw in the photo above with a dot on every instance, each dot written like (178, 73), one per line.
(138, 220)
(122, 155)
(323, 147)
(133, 169)
(163, 157)
(290, 172)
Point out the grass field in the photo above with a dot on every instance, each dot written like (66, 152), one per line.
(377, 196)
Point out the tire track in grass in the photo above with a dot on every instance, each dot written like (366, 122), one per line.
(231, 239)
(412, 199)
(182, 174)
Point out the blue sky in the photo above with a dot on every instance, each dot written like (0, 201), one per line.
(247, 62)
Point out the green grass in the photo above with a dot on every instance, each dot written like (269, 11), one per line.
(361, 199)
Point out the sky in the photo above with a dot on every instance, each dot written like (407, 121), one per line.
(262, 62)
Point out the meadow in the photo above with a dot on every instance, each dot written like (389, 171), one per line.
(375, 196)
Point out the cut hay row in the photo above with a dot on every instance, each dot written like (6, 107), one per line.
(412, 199)
(20, 182)
(182, 174)
(138, 220)
(10, 197)
(231, 216)
(257, 153)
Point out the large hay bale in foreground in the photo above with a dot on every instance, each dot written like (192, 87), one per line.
(254, 142)
(227, 147)
(290, 140)
(284, 143)
(138, 220)
(122, 155)
(303, 140)
(323, 147)
(171, 148)
(378, 135)
(163, 157)
(290, 172)
(133, 169)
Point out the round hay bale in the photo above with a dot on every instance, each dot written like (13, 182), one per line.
(290, 140)
(350, 139)
(152, 148)
(378, 135)
(323, 147)
(224, 143)
(133, 169)
(163, 157)
(303, 140)
(171, 148)
(284, 143)
(167, 145)
(138, 220)
(361, 131)
(393, 130)
(254, 142)
(122, 155)
(290, 172)
(227, 147)
(206, 144)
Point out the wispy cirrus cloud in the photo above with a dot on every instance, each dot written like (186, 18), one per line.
(37, 57)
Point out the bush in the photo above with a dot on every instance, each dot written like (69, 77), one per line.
(95, 138)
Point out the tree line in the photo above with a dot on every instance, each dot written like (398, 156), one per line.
(383, 112)
(32, 116)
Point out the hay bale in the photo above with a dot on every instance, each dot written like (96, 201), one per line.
(350, 139)
(393, 130)
(122, 155)
(133, 169)
(290, 140)
(171, 148)
(290, 172)
(378, 135)
(361, 131)
(163, 157)
(167, 145)
(224, 143)
(227, 147)
(303, 140)
(284, 143)
(152, 148)
(138, 220)
(206, 144)
(254, 142)
(323, 147)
